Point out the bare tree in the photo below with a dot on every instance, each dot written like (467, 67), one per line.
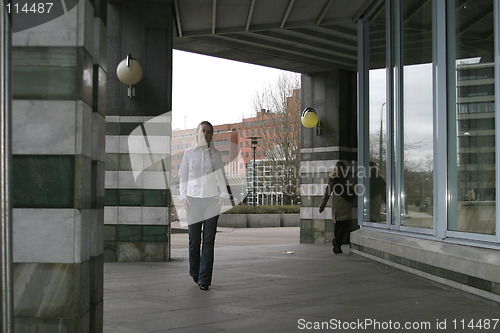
(277, 108)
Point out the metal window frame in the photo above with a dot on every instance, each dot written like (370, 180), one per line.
(451, 120)
(363, 108)
(396, 125)
(450, 204)
(440, 165)
(496, 14)
(363, 84)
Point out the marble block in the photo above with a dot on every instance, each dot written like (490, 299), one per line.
(97, 233)
(111, 179)
(53, 291)
(83, 235)
(83, 129)
(318, 237)
(154, 180)
(100, 45)
(43, 127)
(43, 181)
(112, 143)
(318, 225)
(129, 215)
(44, 235)
(154, 215)
(98, 137)
(306, 212)
(52, 235)
(127, 179)
(83, 182)
(139, 252)
(85, 31)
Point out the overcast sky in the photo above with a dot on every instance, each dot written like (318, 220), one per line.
(418, 113)
(214, 89)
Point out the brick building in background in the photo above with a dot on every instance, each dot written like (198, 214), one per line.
(232, 140)
(225, 140)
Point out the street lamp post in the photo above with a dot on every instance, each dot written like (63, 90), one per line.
(254, 140)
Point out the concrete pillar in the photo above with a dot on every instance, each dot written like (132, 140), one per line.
(333, 96)
(137, 199)
(59, 73)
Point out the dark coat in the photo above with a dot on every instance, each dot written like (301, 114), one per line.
(340, 189)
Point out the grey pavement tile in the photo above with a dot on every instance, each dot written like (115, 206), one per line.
(186, 318)
(121, 305)
(234, 309)
(237, 324)
(268, 326)
(121, 329)
(193, 329)
(267, 304)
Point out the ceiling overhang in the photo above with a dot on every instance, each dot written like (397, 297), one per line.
(303, 36)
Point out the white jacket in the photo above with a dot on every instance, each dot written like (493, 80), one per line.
(202, 174)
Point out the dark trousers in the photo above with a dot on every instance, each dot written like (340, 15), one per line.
(202, 221)
(339, 231)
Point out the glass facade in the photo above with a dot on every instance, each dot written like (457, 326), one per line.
(403, 109)
(375, 210)
(416, 113)
(471, 117)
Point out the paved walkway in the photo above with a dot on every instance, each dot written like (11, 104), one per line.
(265, 281)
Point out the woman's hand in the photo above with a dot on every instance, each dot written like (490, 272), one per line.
(185, 205)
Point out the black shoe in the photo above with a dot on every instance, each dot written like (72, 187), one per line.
(195, 280)
(204, 287)
(337, 249)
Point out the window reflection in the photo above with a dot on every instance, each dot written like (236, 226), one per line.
(472, 125)
(417, 114)
(375, 196)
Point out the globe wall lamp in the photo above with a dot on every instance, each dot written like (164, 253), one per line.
(310, 119)
(129, 72)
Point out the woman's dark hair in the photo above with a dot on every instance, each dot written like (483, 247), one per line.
(204, 122)
(201, 124)
(341, 168)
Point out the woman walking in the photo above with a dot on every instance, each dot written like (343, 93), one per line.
(202, 192)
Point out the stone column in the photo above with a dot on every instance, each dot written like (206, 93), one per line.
(59, 74)
(333, 96)
(137, 196)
